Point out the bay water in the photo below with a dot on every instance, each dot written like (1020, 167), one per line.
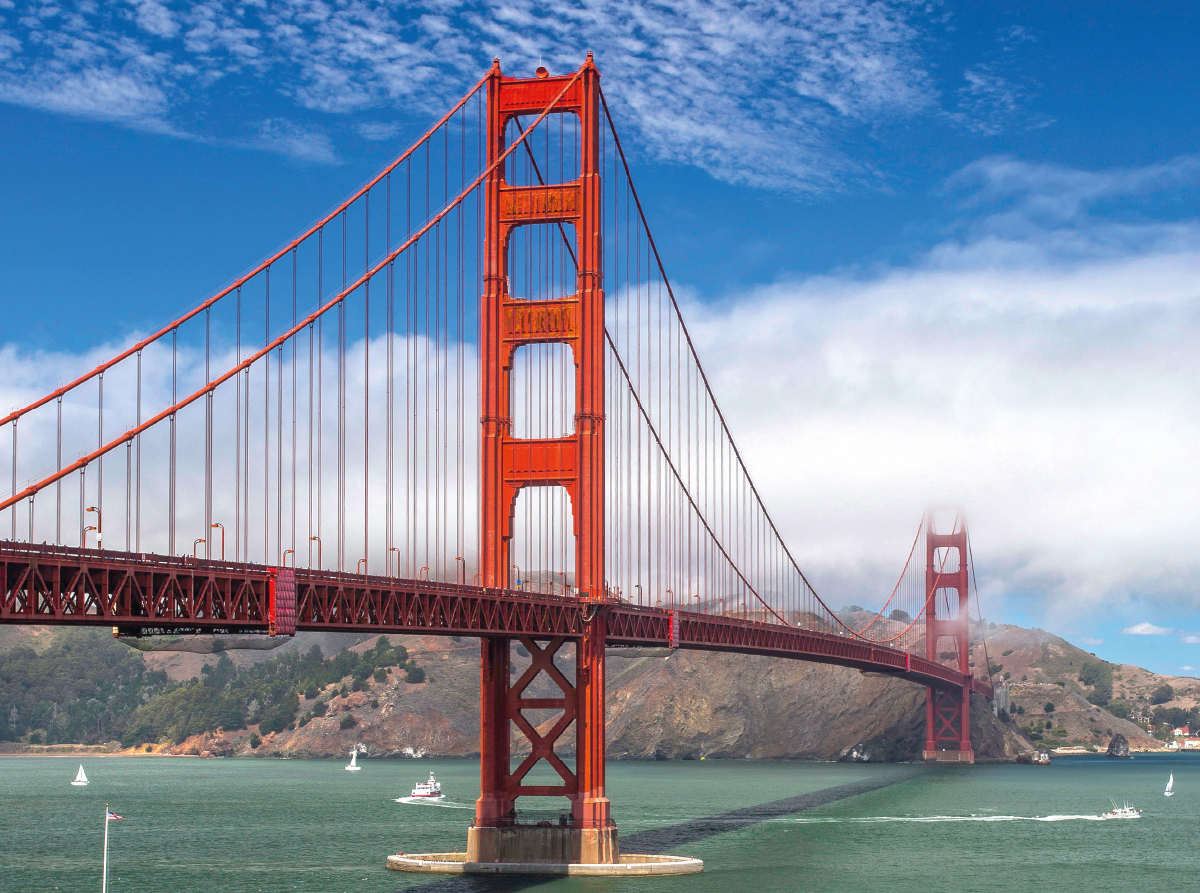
(268, 826)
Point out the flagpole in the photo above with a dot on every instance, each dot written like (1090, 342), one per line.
(104, 877)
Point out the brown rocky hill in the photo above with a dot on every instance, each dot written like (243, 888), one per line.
(661, 705)
(684, 704)
(1041, 668)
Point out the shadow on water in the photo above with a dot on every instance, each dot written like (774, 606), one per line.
(662, 839)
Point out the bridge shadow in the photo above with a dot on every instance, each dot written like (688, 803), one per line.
(660, 840)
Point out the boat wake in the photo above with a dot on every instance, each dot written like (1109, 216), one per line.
(934, 819)
(426, 801)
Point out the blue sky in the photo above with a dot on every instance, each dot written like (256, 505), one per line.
(933, 252)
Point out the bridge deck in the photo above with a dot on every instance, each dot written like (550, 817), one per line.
(142, 593)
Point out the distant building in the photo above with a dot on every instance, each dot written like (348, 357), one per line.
(1191, 743)
(1181, 732)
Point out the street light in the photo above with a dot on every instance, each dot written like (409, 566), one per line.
(291, 552)
(85, 530)
(397, 551)
(195, 545)
(99, 524)
(318, 541)
(463, 579)
(361, 562)
(222, 526)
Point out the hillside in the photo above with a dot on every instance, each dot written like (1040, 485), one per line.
(661, 705)
(1041, 668)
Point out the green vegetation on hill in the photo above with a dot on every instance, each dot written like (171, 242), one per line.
(79, 690)
(87, 688)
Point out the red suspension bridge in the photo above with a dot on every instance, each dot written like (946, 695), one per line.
(302, 452)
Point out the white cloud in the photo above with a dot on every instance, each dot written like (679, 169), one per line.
(1187, 668)
(756, 92)
(1043, 377)
(1088, 640)
(1190, 640)
(289, 138)
(1146, 629)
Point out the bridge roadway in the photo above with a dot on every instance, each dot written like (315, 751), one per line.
(146, 593)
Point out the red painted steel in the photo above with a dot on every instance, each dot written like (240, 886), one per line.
(948, 711)
(56, 585)
(574, 462)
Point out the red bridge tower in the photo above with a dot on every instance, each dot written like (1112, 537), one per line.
(574, 462)
(947, 711)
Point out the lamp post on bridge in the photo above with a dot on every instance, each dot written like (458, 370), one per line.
(222, 526)
(98, 527)
(195, 546)
(317, 539)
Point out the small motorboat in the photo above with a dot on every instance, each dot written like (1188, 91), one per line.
(1169, 792)
(1121, 812)
(80, 777)
(353, 767)
(428, 790)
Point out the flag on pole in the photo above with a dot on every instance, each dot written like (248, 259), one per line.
(109, 814)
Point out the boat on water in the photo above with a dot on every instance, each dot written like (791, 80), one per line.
(1125, 811)
(1170, 791)
(80, 777)
(353, 767)
(428, 790)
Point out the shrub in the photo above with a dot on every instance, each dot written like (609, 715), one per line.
(348, 721)
(900, 616)
(1162, 694)
(1049, 708)
(1007, 653)
(310, 693)
(381, 675)
(996, 669)
(414, 674)
(1007, 675)
(320, 708)
(343, 692)
(1021, 711)
(374, 704)
(358, 685)
(255, 741)
(305, 720)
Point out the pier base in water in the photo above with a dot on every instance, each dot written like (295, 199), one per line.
(949, 756)
(630, 865)
(545, 850)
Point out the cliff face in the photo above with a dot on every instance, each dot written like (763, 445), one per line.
(661, 705)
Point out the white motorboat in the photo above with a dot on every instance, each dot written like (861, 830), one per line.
(1170, 791)
(1124, 811)
(80, 777)
(428, 790)
(353, 767)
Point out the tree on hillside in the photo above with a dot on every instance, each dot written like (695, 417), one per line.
(1098, 675)
(1162, 694)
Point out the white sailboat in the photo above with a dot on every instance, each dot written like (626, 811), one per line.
(1170, 791)
(80, 777)
(353, 767)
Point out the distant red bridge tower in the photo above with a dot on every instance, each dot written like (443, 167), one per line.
(948, 710)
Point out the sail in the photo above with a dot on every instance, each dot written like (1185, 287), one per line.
(1170, 784)
(80, 776)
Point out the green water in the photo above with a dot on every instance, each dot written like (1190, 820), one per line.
(297, 825)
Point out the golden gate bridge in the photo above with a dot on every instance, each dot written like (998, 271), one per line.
(322, 405)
